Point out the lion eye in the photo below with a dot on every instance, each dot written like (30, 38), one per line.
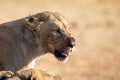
(63, 32)
(58, 31)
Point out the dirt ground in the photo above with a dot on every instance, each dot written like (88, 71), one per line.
(96, 28)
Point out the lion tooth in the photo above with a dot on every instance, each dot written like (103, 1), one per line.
(72, 49)
(65, 55)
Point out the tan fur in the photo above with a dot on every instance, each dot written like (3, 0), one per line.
(43, 75)
(30, 74)
(6, 74)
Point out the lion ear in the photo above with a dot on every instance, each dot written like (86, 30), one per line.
(33, 23)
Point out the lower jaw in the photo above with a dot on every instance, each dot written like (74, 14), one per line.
(63, 59)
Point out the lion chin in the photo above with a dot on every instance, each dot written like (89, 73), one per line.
(61, 56)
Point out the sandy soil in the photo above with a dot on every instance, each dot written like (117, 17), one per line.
(96, 27)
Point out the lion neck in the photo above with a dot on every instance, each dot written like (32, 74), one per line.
(34, 45)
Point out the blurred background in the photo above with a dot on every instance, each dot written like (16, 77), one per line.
(95, 26)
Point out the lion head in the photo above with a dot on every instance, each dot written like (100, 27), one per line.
(54, 33)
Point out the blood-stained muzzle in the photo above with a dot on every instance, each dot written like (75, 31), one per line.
(71, 42)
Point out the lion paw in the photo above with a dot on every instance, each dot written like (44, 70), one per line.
(5, 75)
(43, 75)
(30, 74)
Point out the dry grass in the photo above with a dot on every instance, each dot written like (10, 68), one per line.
(96, 28)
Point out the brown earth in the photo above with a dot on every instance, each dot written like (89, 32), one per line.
(96, 27)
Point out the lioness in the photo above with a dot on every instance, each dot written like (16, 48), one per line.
(29, 74)
(21, 41)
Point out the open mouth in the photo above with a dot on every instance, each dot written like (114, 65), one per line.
(61, 56)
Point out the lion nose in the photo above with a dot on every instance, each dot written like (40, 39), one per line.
(71, 42)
